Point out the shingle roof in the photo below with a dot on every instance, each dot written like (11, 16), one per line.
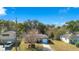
(66, 36)
(12, 35)
(36, 36)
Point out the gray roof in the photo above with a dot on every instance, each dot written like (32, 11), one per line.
(12, 35)
(67, 36)
(70, 36)
(37, 36)
(9, 32)
(34, 37)
(75, 36)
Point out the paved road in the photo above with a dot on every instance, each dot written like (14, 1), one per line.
(47, 47)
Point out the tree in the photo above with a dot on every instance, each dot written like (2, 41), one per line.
(58, 32)
(51, 36)
(20, 28)
(34, 24)
(73, 26)
(6, 25)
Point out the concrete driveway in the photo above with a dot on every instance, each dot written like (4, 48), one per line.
(47, 47)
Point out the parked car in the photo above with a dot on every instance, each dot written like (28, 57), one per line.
(8, 44)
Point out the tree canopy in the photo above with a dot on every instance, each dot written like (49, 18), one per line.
(51, 30)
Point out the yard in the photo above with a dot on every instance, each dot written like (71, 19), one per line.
(24, 47)
(62, 46)
(21, 47)
(57, 46)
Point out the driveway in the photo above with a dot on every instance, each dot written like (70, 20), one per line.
(1, 48)
(47, 47)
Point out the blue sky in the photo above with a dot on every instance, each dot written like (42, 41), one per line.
(46, 15)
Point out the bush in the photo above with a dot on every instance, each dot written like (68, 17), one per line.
(73, 41)
(51, 35)
(33, 45)
(77, 44)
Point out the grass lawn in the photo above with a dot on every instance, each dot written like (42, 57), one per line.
(38, 46)
(21, 47)
(62, 46)
(24, 47)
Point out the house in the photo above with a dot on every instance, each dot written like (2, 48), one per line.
(65, 38)
(70, 38)
(9, 36)
(74, 39)
(33, 38)
(33, 35)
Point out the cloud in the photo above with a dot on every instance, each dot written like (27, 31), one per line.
(2, 11)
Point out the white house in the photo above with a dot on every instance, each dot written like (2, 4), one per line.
(65, 38)
(70, 38)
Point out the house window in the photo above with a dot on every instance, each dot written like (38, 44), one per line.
(5, 34)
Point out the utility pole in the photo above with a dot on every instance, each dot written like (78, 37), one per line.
(16, 33)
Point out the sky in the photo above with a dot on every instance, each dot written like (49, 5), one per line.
(46, 15)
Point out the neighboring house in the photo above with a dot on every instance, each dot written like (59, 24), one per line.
(65, 38)
(9, 36)
(74, 39)
(69, 38)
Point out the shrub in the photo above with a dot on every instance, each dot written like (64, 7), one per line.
(51, 35)
(77, 44)
(73, 41)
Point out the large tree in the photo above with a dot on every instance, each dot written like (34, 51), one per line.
(73, 26)
(34, 24)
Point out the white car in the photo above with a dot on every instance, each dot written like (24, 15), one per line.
(8, 44)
